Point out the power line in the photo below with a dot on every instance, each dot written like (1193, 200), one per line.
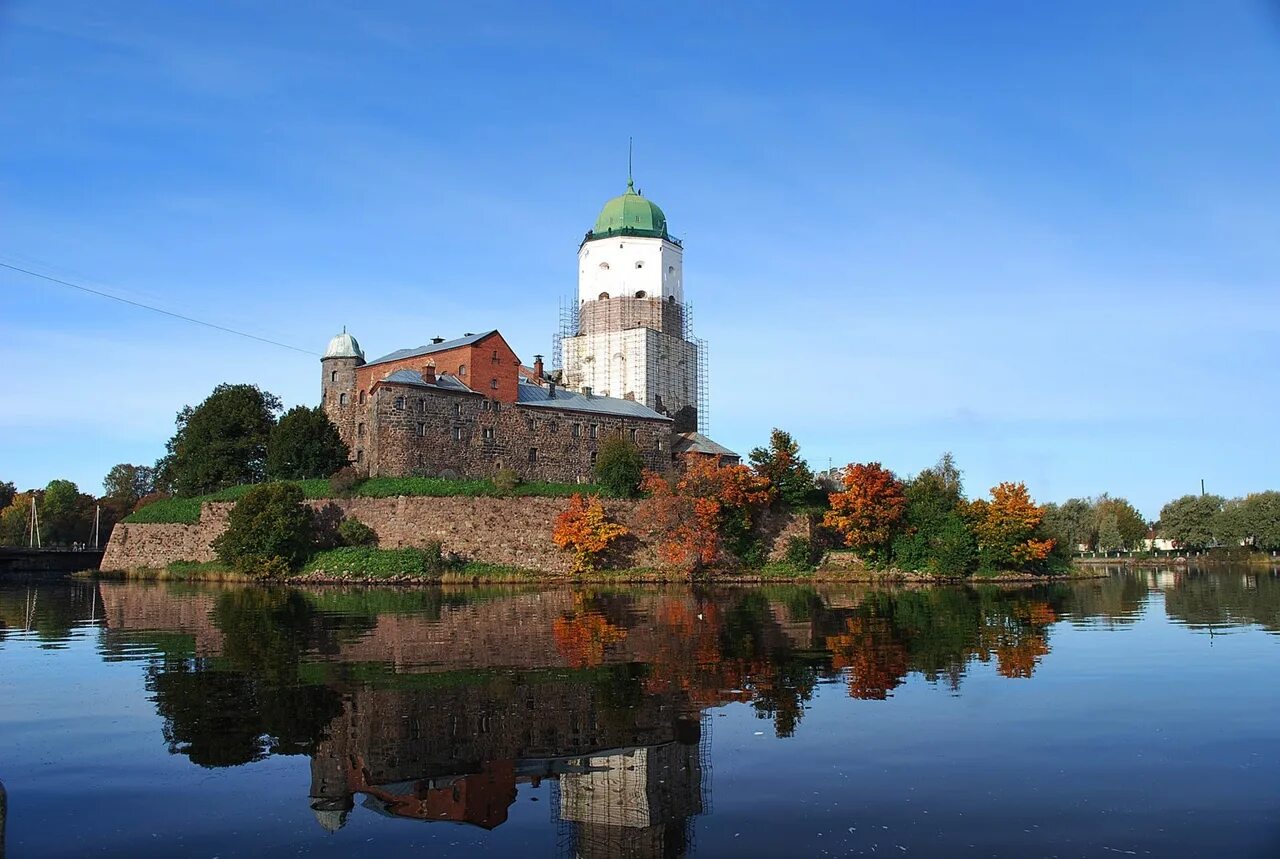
(190, 319)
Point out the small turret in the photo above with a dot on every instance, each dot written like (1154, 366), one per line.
(338, 393)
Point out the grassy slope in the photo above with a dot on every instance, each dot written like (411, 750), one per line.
(186, 511)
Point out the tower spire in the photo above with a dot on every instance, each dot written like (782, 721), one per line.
(631, 184)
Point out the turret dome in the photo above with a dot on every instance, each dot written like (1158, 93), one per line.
(630, 215)
(344, 346)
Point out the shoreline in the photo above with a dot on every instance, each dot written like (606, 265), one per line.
(622, 577)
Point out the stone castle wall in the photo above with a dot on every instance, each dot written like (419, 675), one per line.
(507, 531)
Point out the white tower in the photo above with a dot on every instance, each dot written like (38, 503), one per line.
(632, 339)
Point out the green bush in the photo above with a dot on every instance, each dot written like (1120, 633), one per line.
(506, 480)
(269, 531)
(343, 482)
(619, 467)
(353, 532)
(369, 561)
(800, 553)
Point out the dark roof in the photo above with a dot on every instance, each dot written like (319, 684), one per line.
(540, 397)
(696, 442)
(413, 377)
(432, 348)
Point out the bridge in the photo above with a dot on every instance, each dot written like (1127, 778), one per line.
(15, 559)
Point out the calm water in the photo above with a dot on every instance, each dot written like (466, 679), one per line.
(1136, 715)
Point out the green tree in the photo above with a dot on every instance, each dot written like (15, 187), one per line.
(269, 531)
(66, 515)
(786, 470)
(126, 483)
(1125, 527)
(1262, 519)
(1230, 525)
(221, 442)
(619, 467)
(7, 491)
(15, 520)
(936, 538)
(1188, 521)
(1072, 523)
(305, 444)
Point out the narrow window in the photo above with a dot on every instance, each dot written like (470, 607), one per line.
(457, 410)
(497, 406)
(575, 430)
(360, 430)
(485, 405)
(635, 436)
(342, 399)
(457, 433)
(593, 457)
(593, 430)
(659, 444)
(333, 376)
(488, 433)
(359, 455)
(422, 407)
(533, 425)
(400, 404)
(422, 429)
(495, 356)
(493, 384)
(462, 369)
(533, 454)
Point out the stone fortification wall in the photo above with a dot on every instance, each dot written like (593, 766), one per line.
(508, 531)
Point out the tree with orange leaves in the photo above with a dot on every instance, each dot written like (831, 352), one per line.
(709, 508)
(869, 509)
(1008, 528)
(585, 528)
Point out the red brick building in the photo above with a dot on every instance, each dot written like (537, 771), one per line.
(468, 407)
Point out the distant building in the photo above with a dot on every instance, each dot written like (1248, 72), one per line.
(468, 407)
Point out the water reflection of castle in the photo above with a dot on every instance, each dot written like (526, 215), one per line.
(436, 706)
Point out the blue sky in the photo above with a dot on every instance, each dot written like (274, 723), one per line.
(1041, 236)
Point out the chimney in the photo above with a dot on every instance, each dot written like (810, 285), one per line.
(429, 374)
(552, 389)
(435, 340)
(586, 392)
(537, 368)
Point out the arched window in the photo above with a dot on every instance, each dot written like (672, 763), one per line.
(462, 369)
(640, 293)
(671, 269)
(604, 266)
(342, 399)
(671, 299)
(639, 263)
(603, 296)
(333, 375)
(362, 398)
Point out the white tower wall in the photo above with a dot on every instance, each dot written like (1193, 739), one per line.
(626, 265)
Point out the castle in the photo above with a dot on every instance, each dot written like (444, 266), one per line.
(468, 407)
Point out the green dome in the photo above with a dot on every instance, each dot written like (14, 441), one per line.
(630, 215)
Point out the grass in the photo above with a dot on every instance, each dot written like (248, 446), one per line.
(375, 563)
(178, 571)
(186, 511)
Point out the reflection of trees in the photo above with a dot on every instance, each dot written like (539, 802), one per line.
(872, 653)
(1117, 600)
(1229, 598)
(248, 703)
(583, 634)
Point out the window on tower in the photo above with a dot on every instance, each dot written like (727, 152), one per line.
(640, 293)
(639, 263)
(604, 266)
(342, 399)
(603, 296)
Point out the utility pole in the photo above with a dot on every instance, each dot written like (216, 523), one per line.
(97, 519)
(1202, 487)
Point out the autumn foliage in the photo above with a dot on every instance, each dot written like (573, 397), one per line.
(867, 511)
(584, 528)
(582, 635)
(1008, 529)
(692, 516)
